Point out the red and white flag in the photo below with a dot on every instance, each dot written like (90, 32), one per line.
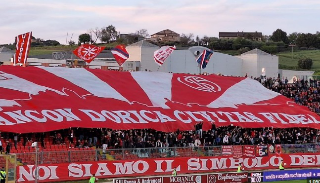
(88, 52)
(162, 54)
(23, 42)
(120, 54)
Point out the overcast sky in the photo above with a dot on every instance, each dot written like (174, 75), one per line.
(54, 19)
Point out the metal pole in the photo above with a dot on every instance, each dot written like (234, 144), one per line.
(36, 172)
(200, 68)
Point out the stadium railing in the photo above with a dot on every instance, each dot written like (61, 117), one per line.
(83, 155)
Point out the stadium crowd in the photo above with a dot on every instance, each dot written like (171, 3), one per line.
(302, 92)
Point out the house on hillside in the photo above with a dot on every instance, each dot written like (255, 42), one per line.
(165, 36)
(257, 36)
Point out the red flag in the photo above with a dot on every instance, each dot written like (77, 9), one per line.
(120, 54)
(88, 52)
(22, 48)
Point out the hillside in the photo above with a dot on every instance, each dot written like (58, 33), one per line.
(287, 60)
(49, 49)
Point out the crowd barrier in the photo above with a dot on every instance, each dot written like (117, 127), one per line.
(163, 166)
(77, 155)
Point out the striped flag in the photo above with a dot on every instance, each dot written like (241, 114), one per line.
(162, 54)
(120, 54)
(204, 58)
(22, 48)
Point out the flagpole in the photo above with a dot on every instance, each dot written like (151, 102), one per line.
(200, 68)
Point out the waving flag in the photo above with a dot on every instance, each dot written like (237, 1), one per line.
(88, 52)
(162, 54)
(204, 58)
(120, 54)
(22, 48)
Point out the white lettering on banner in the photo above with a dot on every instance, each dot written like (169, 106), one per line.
(168, 165)
(163, 118)
(125, 116)
(95, 116)
(23, 36)
(143, 114)
(45, 172)
(218, 163)
(149, 167)
(54, 116)
(124, 168)
(278, 117)
(268, 116)
(30, 115)
(67, 113)
(111, 116)
(241, 117)
(296, 160)
(87, 172)
(18, 116)
(253, 117)
(5, 122)
(206, 116)
(191, 114)
(103, 169)
(260, 164)
(159, 163)
(275, 161)
(204, 164)
(145, 166)
(146, 117)
(313, 119)
(136, 114)
(75, 170)
(178, 114)
(228, 114)
(216, 116)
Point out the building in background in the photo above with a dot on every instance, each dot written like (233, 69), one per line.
(257, 36)
(165, 36)
(258, 63)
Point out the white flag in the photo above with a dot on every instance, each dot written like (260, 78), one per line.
(162, 54)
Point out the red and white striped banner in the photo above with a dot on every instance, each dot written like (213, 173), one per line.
(23, 43)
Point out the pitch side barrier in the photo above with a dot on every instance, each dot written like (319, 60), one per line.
(192, 178)
(311, 175)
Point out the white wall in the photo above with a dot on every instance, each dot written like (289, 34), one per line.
(249, 65)
(270, 63)
(147, 61)
(5, 56)
(184, 61)
(134, 53)
(290, 74)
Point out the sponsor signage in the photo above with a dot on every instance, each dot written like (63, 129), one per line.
(256, 177)
(228, 178)
(301, 174)
(164, 166)
(186, 179)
